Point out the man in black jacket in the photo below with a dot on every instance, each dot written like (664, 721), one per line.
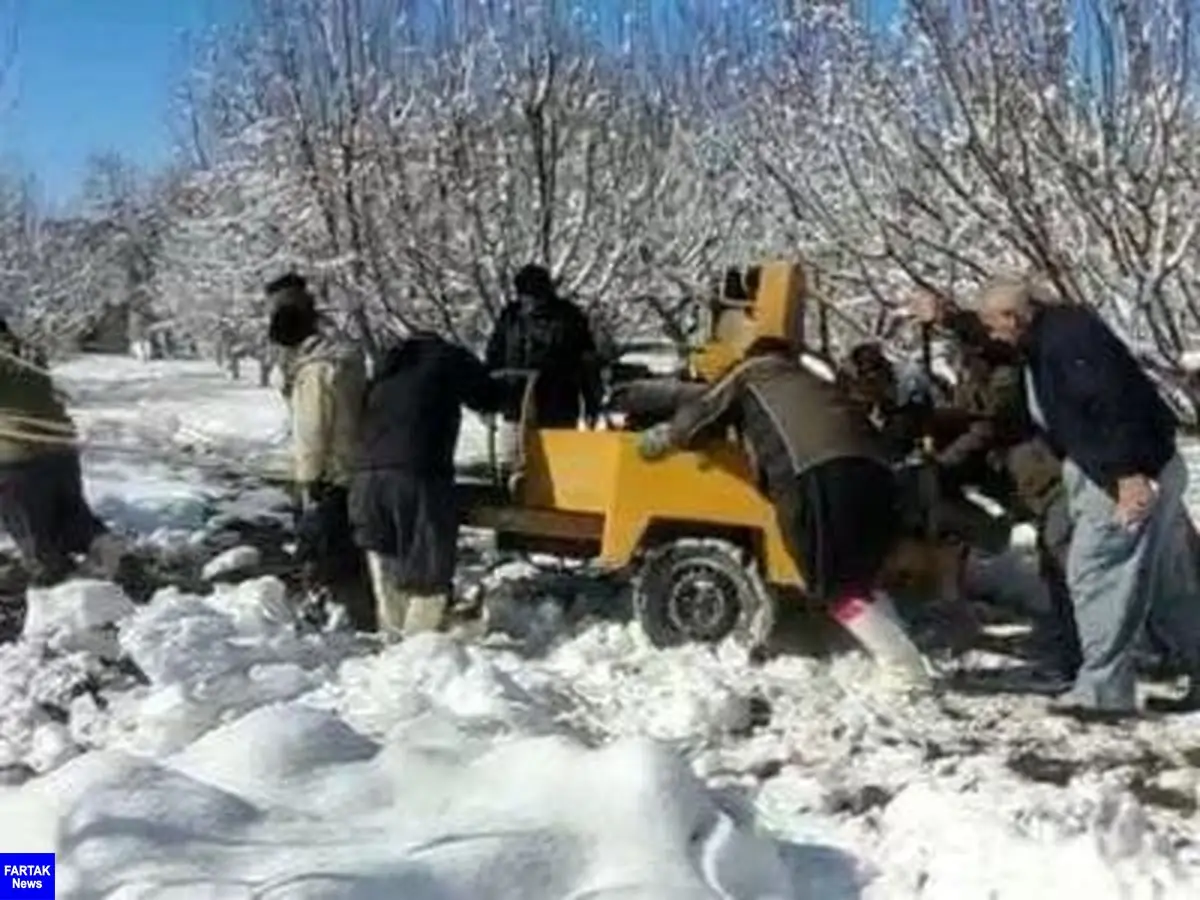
(1124, 481)
(402, 499)
(543, 333)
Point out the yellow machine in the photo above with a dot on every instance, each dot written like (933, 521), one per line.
(702, 543)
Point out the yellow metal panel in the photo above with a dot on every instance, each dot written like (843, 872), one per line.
(602, 472)
(713, 360)
(710, 488)
(776, 311)
(776, 305)
(573, 471)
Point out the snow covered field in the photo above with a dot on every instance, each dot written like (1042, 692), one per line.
(255, 761)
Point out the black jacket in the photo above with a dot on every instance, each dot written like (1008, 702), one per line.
(413, 408)
(553, 337)
(1101, 409)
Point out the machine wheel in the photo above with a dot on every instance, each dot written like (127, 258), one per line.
(702, 591)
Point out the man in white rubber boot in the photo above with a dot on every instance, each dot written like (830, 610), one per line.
(398, 611)
(821, 463)
(402, 496)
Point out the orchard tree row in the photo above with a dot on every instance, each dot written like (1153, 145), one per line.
(410, 156)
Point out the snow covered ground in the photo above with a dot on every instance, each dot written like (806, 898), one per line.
(209, 437)
(242, 757)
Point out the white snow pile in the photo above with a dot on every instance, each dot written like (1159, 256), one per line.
(213, 780)
(76, 619)
(260, 761)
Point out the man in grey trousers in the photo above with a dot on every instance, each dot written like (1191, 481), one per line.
(1124, 481)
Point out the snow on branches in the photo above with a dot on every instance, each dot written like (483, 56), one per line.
(1039, 134)
(409, 157)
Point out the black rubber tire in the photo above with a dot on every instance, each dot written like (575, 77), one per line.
(665, 602)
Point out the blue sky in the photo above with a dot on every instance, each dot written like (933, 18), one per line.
(96, 75)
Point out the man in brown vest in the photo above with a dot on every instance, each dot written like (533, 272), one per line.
(822, 464)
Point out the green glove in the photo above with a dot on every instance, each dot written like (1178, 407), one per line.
(655, 442)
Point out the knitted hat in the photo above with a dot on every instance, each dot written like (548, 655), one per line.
(293, 313)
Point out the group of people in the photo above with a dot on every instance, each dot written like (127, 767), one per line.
(374, 459)
(1052, 417)
(1055, 418)
(1117, 544)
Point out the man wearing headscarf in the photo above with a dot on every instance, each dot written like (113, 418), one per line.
(326, 380)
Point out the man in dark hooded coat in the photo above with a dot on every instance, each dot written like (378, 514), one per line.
(542, 333)
(402, 499)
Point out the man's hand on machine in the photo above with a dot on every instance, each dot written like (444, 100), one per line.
(655, 441)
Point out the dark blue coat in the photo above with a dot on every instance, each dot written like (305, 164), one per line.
(413, 408)
(1101, 409)
(553, 337)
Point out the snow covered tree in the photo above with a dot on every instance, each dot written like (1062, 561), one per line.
(1037, 134)
(410, 159)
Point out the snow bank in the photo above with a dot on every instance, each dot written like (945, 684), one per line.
(457, 782)
(76, 615)
(333, 814)
(48, 679)
(262, 760)
(36, 695)
(210, 659)
(942, 846)
(206, 660)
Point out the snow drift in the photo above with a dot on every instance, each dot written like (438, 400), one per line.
(458, 794)
(253, 760)
(289, 802)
